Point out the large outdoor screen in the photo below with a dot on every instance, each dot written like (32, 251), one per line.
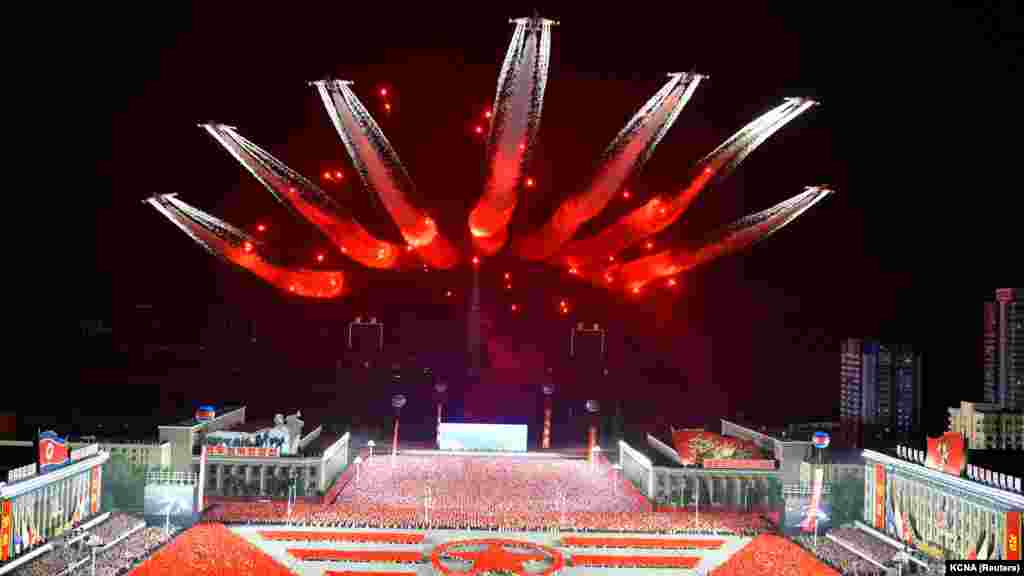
(174, 499)
(797, 512)
(483, 437)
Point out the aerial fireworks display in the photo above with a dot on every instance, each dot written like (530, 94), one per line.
(514, 122)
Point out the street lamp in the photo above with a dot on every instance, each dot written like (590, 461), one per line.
(94, 542)
(371, 444)
(441, 387)
(397, 401)
(548, 390)
(593, 407)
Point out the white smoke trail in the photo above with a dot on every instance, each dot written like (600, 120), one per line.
(517, 110)
(626, 154)
(381, 170)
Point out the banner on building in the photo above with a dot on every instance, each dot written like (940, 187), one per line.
(5, 530)
(84, 452)
(53, 451)
(946, 453)
(810, 521)
(738, 464)
(244, 451)
(1013, 532)
(201, 488)
(94, 490)
(879, 497)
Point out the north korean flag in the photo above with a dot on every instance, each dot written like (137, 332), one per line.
(53, 451)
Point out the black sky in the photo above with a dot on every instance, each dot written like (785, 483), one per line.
(916, 111)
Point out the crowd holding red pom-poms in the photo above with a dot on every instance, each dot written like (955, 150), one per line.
(330, 555)
(210, 550)
(599, 561)
(656, 543)
(769, 555)
(361, 573)
(362, 537)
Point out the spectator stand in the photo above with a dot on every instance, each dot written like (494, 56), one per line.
(49, 547)
(854, 550)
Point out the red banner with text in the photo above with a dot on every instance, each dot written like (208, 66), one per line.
(5, 530)
(1013, 530)
(879, 497)
(947, 453)
(736, 464)
(94, 490)
(243, 451)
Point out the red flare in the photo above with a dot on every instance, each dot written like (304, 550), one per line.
(448, 293)
(327, 175)
(319, 257)
(649, 245)
(338, 175)
(247, 246)
(487, 113)
(508, 276)
(479, 130)
(625, 194)
(529, 182)
(384, 92)
(671, 282)
(476, 260)
(515, 307)
(261, 228)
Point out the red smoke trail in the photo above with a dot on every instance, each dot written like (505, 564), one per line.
(382, 172)
(313, 204)
(233, 245)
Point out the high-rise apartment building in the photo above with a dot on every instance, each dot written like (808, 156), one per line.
(1004, 349)
(987, 426)
(880, 387)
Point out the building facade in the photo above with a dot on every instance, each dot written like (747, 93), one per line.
(987, 426)
(880, 388)
(1004, 349)
(940, 515)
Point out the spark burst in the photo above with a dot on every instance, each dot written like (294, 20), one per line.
(511, 134)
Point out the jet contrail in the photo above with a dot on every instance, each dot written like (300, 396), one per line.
(382, 172)
(626, 154)
(730, 239)
(235, 246)
(313, 204)
(660, 212)
(515, 120)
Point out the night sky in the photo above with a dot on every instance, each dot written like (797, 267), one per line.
(914, 110)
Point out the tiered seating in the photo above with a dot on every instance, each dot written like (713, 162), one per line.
(59, 559)
(376, 537)
(657, 543)
(769, 555)
(210, 550)
(119, 558)
(473, 517)
(331, 555)
(597, 561)
(838, 557)
(877, 549)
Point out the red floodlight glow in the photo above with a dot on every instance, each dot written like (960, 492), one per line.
(508, 276)
(522, 147)
(515, 307)
(247, 246)
(573, 270)
(508, 286)
(636, 289)
(479, 130)
(649, 244)
(319, 257)
(487, 113)
(476, 260)
(529, 182)
(261, 228)
(384, 92)
(672, 282)
(338, 174)
(448, 293)
(387, 107)
(327, 175)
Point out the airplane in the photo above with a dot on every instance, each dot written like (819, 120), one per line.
(536, 19)
(328, 79)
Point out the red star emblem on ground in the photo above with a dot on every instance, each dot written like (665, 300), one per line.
(495, 557)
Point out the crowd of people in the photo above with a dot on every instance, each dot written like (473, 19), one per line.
(489, 493)
(877, 549)
(492, 483)
(479, 518)
(65, 553)
(120, 558)
(838, 557)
